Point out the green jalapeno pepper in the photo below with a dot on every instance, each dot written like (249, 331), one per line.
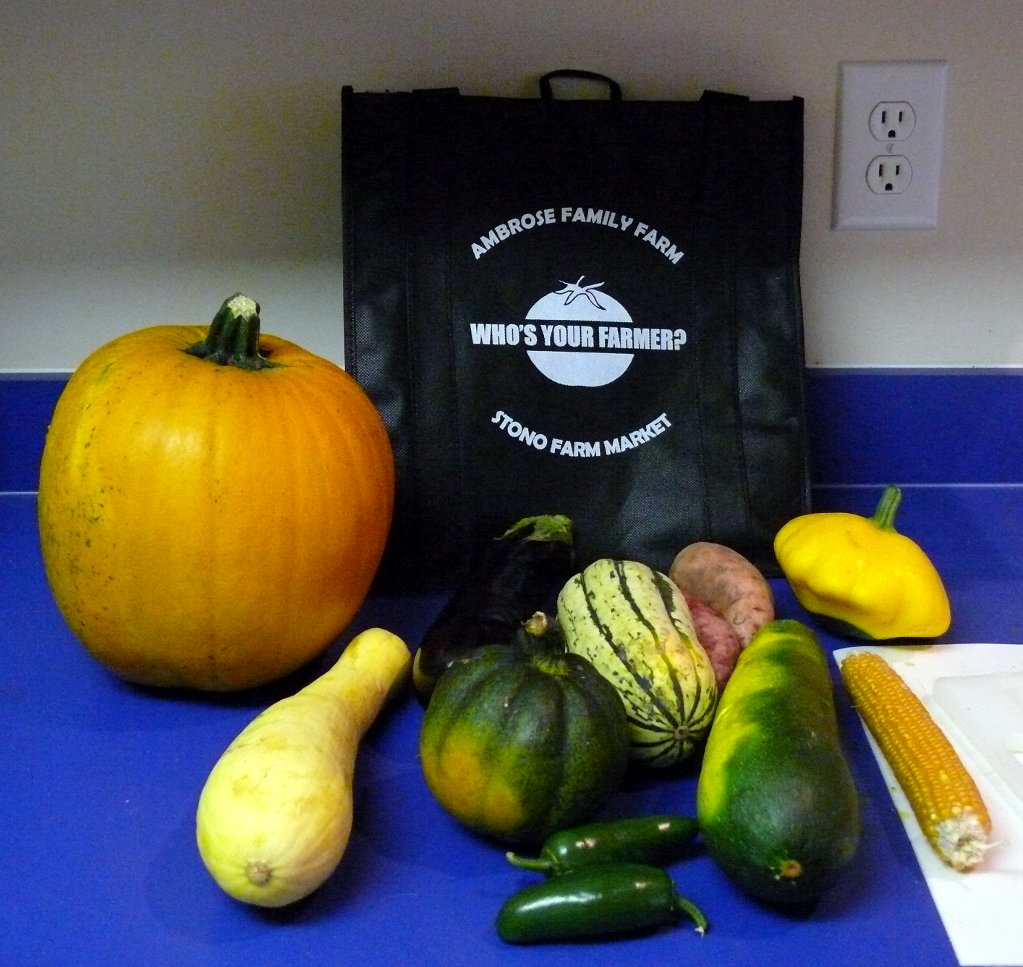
(594, 902)
(657, 840)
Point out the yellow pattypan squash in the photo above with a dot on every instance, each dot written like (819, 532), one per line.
(863, 576)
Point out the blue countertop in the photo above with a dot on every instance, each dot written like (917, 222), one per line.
(100, 782)
(101, 779)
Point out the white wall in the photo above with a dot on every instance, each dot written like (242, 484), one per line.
(157, 155)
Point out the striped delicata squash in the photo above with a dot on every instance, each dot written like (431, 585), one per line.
(633, 624)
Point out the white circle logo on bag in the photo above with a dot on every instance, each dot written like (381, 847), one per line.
(570, 320)
(579, 335)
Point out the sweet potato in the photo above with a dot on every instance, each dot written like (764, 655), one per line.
(722, 578)
(718, 637)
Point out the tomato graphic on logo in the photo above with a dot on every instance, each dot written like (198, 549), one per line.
(566, 319)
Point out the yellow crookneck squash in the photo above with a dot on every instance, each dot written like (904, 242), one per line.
(862, 576)
(213, 503)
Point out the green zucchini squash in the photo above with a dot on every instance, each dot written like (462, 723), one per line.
(777, 806)
(634, 626)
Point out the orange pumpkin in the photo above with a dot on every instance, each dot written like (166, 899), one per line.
(213, 503)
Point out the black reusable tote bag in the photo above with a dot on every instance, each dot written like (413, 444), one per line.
(588, 307)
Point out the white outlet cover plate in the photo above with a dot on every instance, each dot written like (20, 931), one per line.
(862, 86)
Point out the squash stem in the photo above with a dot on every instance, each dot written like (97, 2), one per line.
(884, 516)
(233, 336)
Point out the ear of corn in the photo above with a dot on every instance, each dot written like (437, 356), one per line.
(942, 793)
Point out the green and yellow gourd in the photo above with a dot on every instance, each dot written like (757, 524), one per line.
(776, 802)
(633, 624)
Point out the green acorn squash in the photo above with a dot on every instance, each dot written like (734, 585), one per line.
(516, 743)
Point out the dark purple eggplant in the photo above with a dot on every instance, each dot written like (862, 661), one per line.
(509, 579)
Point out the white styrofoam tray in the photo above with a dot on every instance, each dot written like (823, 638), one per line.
(975, 693)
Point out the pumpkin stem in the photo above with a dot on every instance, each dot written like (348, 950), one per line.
(233, 336)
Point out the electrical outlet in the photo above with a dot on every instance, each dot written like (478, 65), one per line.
(889, 174)
(888, 144)
(892, 121)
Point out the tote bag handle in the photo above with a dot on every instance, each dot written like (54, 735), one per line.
(547, 93)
